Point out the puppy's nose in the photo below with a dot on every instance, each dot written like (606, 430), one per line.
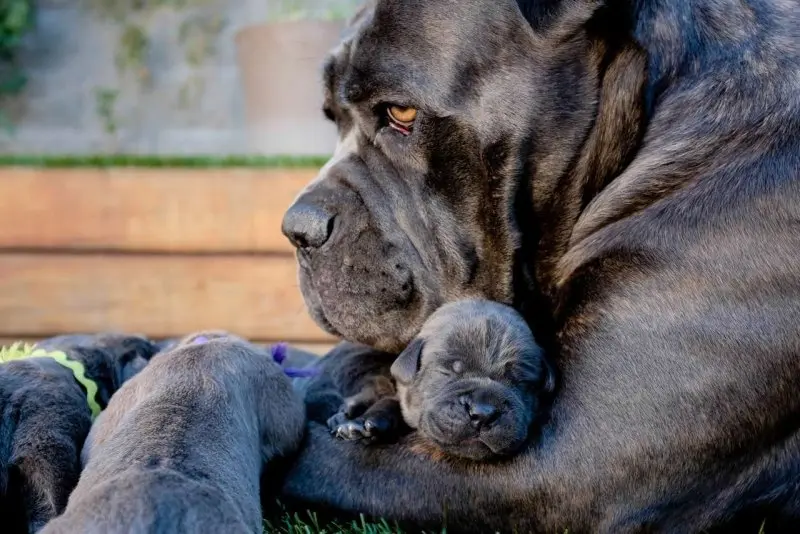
(481, 413)
(307, 225)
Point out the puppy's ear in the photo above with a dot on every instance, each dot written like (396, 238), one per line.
(405, 367)
(131, 368)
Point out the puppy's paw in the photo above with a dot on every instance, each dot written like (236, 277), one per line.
(368, 429)
(382, 422)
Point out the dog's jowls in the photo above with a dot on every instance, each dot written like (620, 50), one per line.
(181, 447)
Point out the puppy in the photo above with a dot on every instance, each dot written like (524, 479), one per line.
(46, 410)
(470, 382)
(181, 447)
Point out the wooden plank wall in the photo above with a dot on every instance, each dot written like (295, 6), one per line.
(161, 252)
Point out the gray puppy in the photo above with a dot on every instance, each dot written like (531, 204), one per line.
(46, 411)
(470, 382)
(182, 446)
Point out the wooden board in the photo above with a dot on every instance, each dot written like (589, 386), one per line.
(173, 210)
(161, 296)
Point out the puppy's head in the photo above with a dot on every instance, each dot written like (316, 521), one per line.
(207, 335)
(470, 381)
(128, 354)
(109, 358)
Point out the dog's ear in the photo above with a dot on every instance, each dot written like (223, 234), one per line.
(131, 367)
(129, 355)
(559, 18)
(405, 367)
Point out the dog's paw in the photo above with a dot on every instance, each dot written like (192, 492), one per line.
(367, 429)
(382, 422)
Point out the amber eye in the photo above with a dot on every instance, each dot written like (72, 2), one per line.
(402, 115)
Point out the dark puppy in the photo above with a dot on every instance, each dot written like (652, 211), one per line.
(45, 416)
(470, 382)
(182, 446)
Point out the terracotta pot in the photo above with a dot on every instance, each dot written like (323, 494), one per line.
(280, 66)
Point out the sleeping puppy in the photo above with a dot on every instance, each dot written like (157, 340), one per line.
(181, 447)
(46, 410)
(470, 382)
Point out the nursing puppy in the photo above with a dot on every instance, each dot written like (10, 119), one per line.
(182, 446)
(470, 383)
(45, 416)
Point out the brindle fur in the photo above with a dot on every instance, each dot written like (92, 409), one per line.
(626, 174)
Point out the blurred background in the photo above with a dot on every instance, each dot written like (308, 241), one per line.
(148, 150)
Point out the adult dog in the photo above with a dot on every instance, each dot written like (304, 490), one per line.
(625, 173)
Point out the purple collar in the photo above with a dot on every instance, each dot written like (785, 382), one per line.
(279, 352)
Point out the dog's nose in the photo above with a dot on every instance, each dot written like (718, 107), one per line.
(481, 413)
(307, 225)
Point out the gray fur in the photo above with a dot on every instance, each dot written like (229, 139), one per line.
(181, 447)
(626, 174)
(472, 354)
(45, 417)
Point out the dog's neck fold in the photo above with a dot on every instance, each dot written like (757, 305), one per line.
(598, 112)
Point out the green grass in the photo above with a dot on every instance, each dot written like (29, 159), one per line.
(103, 161)
(296, 524)
(309, 523)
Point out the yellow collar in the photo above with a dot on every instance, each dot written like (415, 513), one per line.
(19, 352)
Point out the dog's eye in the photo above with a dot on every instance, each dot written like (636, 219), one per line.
(402, 115)
(328, 112)
(457, 366)
(401, 118)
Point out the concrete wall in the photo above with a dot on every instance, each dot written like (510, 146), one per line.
(183, 109)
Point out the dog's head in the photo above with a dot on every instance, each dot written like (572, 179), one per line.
(110, 359)
(470, 381)
(127, 354)
(204, 336)
(445, 109)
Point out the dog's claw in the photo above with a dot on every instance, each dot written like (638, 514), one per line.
(351, 431)
(365, 428)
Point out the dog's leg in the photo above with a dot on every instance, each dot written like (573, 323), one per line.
(370, 410)
(378, 419)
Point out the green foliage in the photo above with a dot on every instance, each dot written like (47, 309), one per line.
(198, 35)
(289, 10)
(16, 18)
(131, 54)
(105, 101)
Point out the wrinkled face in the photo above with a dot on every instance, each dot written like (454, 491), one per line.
(470, 385)
(417, 206)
